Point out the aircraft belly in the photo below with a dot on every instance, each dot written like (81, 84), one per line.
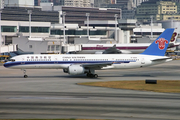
(127, 65)
(39, 66)
(49, 66)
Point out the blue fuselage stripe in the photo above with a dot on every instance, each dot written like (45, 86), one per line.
(11, 64)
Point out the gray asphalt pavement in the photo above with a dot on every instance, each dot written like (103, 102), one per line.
(54, 94)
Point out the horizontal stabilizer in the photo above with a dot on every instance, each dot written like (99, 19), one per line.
(160, 59)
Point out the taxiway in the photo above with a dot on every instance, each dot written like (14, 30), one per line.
(54, 94)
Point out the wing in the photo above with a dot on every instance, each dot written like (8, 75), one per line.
(96, 65)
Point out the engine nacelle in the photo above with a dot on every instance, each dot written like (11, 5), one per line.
(76, 70)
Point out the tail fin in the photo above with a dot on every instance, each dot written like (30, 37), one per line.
(174, 36)
(173, 42)
(159, 46)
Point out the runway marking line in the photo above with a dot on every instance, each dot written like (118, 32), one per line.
(54, 119)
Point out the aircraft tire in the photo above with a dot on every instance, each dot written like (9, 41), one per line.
(88, 75)
(95, 76)
(25, 76)
(91, 76)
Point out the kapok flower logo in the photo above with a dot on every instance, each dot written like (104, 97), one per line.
(161, 43)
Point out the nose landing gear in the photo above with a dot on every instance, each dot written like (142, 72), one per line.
(25, 76)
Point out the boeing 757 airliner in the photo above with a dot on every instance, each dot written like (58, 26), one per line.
(76, 64)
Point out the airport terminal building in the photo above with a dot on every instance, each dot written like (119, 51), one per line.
(54, 14)
(48, 23)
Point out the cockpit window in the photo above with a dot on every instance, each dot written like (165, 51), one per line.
(12, 60)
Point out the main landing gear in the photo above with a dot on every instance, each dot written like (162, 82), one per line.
(25, 76)
(92, 75)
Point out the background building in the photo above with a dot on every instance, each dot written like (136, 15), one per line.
(77, 15)
(37, 2)
(121, 4)
(55, 2)
(160, 10)
(21, 14)
(128, 11)
(19, 2)
(165, 0)
(58, 2)
(98, 3)
(77, 3)
(1, 4)
(138, 2)
(72, 3)
(74, 15)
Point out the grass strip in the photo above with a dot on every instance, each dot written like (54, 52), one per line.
(165, 86)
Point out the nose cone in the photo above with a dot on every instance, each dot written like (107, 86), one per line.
(7, 64)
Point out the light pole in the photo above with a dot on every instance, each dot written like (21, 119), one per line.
(116, 15)
(0, 33)
(29, 12)
(88, 14)
(151, 26)
(120, 14)
(64, 14)
(172, 18)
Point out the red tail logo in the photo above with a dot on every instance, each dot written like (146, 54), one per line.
(161, 42)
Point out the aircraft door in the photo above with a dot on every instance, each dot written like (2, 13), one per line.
(22, 62)
(56, 60)
(142, 61)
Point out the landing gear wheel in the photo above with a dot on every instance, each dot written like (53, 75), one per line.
(25, 76)
(88, 75)
(91, 76)
(95, 76)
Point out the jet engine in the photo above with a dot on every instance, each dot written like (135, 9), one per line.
(76, 70)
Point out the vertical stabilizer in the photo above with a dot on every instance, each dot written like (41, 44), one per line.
(159, 46)
(174, 36)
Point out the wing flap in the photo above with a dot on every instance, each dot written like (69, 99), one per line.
(97, 65)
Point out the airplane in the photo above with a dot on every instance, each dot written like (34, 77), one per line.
(76, 64)
(129, 48)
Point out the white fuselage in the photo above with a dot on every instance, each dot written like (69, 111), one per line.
(58, 61)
